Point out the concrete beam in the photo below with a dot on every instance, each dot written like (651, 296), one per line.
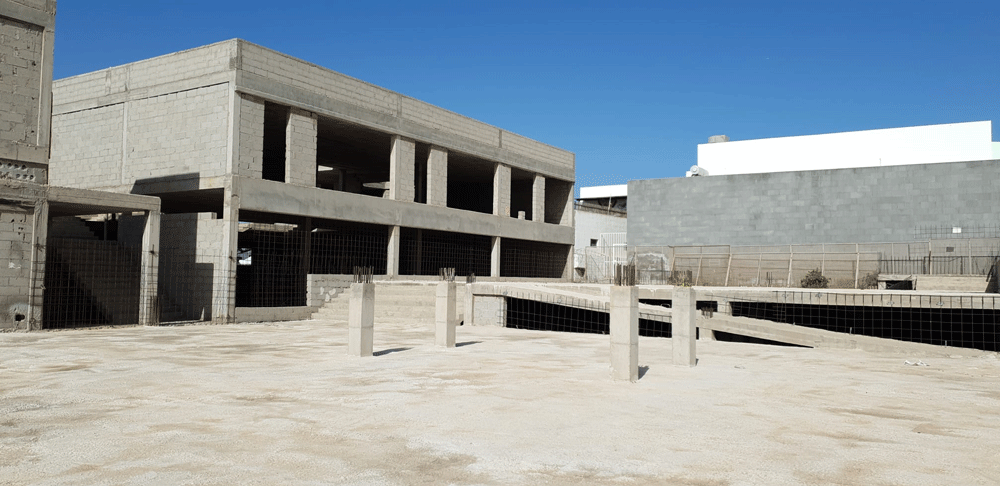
(276, 197)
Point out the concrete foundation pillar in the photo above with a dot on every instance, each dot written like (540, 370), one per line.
(392, 262)
(149, 306)
(501, 190)
(495, 257)
(300, 148)
(361, 320)
(444, 317)
(624, 322)
(401, 169)
(683, 327)
(437, 177)
(538, 199)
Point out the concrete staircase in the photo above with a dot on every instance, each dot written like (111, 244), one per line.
(395, 302)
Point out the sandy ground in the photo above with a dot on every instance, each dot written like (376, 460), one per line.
(283, 404)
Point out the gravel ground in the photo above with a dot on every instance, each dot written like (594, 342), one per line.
(281, 403)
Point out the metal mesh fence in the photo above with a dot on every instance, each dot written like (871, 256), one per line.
(846, 265)
(339, 246)
(532, 259)
(573, 315)
(91, 283)
(423, 252)
(272, 266)
(961, 321)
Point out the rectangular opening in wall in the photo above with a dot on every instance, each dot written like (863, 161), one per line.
(352, 158)
(339, 246)
(521, 182)
(420, 172)
(558, 195)
(532, 259)
(93, 270)
(275, 125)
(423, 252)
(275, 273)
(470, 183)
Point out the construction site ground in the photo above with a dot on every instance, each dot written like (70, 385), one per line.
(282, 403)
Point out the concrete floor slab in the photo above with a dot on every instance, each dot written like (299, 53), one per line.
(283, 403)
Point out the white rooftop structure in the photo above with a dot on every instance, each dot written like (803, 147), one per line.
(953, 142)
(602, 192)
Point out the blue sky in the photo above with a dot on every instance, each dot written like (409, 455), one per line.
(631, 88)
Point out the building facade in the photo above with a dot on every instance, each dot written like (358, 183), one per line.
(274, 173)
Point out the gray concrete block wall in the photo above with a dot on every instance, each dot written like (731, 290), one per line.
(437, 118)
(300, 148)
(873, 204)
(310, 77)
(191, 257)
(15, 263)
(437, 177)
(590, 226)
(251, 137)
(87, 150)
(22, 50)
(179, 133)
(170, 68)
(535, 149)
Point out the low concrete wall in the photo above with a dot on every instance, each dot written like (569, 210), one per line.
(321, 289)
(951, 283)
(267, 314)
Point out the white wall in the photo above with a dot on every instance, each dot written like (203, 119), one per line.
(955, 142)
(601, 192)
(996, 150)
(590, 226)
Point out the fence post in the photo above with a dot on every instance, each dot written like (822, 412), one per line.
(729, 267)
(791, 258)
(857, 265)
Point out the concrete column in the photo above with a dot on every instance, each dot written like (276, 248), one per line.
(568, 217)
(495, 258)
(401, 169)
(149, 306)
(248, 136)
(224, 280)
(437, 177)
(36, 274)
(392, 263)
(624, 321)
(538, 199)
(684, 310)
(361, 320)
(501, 190)
(300, 147)
(444, 316)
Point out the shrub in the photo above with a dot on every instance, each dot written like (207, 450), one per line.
(815, 280)
(869, 281)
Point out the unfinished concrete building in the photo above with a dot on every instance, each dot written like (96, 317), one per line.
(48, 278)
(277, 177)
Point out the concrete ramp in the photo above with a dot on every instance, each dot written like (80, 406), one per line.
(590, 299)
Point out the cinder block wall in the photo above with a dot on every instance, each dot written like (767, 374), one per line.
(15, 263)
(865, 205)
(177, 134)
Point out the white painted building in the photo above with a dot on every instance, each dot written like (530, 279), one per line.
(952, 142)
